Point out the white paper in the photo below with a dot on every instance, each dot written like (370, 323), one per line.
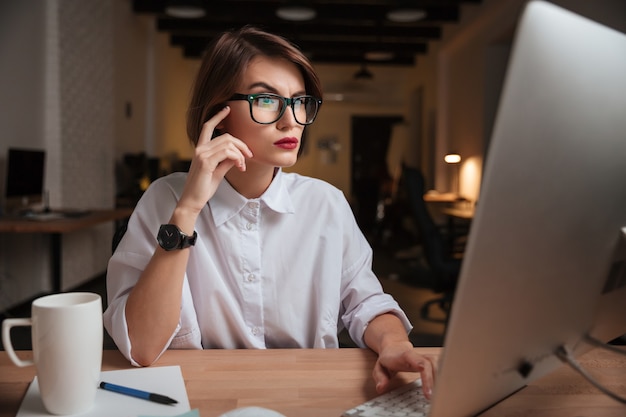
(193, 413)
(164, 380)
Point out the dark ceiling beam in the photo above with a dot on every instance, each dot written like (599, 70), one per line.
(397, 47)
(342, 32)
(358, 14)
(303, 30)
(325, 51)
(154, 6)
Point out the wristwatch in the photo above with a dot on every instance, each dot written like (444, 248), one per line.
(170, 237)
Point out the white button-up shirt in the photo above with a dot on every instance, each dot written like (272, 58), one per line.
(289, 269)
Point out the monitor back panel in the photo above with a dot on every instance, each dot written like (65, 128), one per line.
(550, 214)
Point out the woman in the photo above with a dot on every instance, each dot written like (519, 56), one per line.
(249, 256)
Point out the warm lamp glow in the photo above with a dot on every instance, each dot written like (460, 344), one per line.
(452, 158)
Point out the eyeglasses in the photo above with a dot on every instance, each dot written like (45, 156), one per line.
(267, 108)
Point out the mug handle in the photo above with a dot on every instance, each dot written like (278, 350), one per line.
(6, 339)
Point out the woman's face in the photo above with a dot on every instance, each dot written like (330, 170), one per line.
(274, 144)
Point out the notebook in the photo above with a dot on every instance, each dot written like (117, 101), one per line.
(166, 380)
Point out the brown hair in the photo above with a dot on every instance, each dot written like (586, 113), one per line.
(224, 63)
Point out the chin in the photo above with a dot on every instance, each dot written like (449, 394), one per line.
(286, 161)
(287, 164)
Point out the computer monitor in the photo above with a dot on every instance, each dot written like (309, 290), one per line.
(545, 259)
(24, 178)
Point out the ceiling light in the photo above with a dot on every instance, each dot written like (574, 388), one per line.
(406, 15)
(379, 56)
(185, 9)
(296, 13)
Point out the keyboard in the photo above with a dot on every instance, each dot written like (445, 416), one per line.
(406, 400)
(44, 216)
(54, 214)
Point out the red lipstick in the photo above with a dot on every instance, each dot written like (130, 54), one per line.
(287, 143)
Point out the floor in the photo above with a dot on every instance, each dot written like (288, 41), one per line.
(405, 279)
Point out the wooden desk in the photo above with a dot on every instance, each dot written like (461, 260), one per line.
(57, 227)
(324, 383)
(445, 198)
(459, 213)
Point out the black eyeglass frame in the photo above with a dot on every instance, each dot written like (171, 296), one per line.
(287, 102)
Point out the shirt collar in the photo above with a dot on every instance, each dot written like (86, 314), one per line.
(227, 202)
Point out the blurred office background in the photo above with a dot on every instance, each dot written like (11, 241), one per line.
(102, 86)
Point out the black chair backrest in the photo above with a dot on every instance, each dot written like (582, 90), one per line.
(119, 234)
(432, 240)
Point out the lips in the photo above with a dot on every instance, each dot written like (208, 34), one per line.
(287, 143)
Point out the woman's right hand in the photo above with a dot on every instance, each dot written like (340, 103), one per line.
(212, 159)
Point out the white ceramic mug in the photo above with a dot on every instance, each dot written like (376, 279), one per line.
(67, 349)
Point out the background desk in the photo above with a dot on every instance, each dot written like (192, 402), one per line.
(57, 227)
(459, 213)
(324, 383)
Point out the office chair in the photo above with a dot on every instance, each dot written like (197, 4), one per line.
(120, 230)
(444, 267)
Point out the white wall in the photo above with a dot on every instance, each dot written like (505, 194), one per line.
(133, 76)
(57, 93)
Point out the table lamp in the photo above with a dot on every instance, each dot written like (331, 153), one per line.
(454, 158)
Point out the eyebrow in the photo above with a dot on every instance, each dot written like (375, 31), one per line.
(268, 88)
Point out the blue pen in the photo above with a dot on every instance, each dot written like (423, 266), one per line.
(150, 396)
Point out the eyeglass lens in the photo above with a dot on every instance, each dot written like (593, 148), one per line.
(268, 108)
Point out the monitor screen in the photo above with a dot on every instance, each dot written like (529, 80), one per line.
(24, 177)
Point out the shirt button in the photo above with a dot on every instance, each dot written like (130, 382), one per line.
(250, 278)
(249, 226)
(253, 205)
(256, 331)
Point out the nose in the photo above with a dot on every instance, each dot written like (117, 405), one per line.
(287, 120)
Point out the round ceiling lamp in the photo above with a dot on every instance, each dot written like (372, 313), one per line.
(296, 13)
(406, 15)
(379, 56)
(185, 9)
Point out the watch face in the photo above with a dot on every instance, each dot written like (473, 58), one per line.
(168, 237)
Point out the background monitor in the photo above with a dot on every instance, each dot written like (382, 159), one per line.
(24, 178)
(545, 262)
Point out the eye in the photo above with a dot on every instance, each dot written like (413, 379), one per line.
(267, 103)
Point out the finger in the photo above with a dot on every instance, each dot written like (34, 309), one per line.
(209, 126)
(228, 147)
(425, 365)
(214, 159)
(427, 375)
(381, 377)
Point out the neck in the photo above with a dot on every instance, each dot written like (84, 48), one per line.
(253, 182)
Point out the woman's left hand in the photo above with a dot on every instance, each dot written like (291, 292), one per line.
(386, 335)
